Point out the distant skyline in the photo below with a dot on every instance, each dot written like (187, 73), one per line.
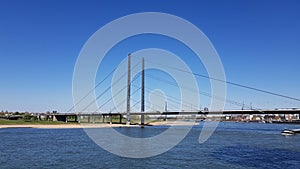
(257, 42)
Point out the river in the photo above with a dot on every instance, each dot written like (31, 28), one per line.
(233, 145)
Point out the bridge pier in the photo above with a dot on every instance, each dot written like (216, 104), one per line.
(120, 118)
(142, 119)
(94, 119)
(78, 119)
(110, 119)
(54, 118)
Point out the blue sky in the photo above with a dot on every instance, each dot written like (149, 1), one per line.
(257, 41)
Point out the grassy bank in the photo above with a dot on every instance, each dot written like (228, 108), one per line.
(22, 122)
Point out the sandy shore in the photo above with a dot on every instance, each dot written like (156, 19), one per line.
(66, 126)
(175, 123)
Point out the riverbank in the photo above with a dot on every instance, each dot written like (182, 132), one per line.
(102, 125)
(62, 126)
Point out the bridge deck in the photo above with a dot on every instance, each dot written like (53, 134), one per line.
(226, 112)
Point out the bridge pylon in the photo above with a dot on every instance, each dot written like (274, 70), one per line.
(128, 91)
(143, 92)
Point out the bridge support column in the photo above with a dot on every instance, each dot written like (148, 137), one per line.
(78, 119)
(89, 119)
(110, 119)
(142, 119)
(54, 118)
(103, 117)
(120, 118)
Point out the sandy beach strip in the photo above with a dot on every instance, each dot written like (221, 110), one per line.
(102, 125)
(175, 123)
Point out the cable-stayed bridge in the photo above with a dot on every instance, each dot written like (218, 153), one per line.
(132, 89)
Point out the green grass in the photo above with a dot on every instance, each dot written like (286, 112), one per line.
(134, 120)
(21, 122)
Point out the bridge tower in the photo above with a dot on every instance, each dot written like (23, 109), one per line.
(143, 92)
(128, 92)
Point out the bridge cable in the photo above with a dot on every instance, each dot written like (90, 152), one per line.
(202, 93)
(98, 84)
(114, 95)
(231, 83)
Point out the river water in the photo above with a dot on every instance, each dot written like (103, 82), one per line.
(233, 145)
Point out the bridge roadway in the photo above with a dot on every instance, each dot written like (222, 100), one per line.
(225, 112)
(76, 116)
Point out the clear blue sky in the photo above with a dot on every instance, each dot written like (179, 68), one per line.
(257, 41)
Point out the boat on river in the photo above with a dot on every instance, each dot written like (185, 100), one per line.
(288, 132)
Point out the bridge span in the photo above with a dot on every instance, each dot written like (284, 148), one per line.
(76, 117)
